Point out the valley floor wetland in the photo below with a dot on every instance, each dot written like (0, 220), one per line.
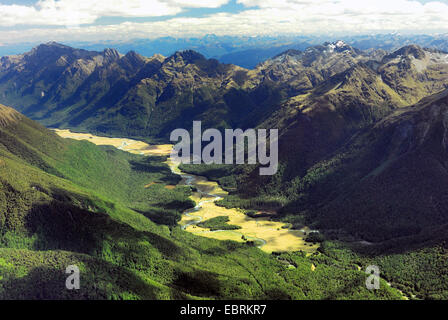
(267, 234)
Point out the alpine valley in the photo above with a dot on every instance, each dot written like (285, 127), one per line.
(362, 178)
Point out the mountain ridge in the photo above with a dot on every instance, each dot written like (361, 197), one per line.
(81, 89)
(8, 115)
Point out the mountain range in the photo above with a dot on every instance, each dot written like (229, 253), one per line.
(246, 51)
(109, 93)
(362, 151)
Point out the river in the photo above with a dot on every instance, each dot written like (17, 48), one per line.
(267, 234)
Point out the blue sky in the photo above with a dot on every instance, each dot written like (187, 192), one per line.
(44, 20)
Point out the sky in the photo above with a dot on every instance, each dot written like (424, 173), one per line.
(86, 20)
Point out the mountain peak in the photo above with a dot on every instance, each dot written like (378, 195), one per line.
(54, 44)
(52, 50)
(134, 56)
(132, 61)
(111, 54)
(157, 57)
(340, 43)
(329, 48)
(411, 50)
(189, 56)
(338, 46)
(50, 46)
(289, 53)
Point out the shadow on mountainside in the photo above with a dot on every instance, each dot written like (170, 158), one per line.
(99, 280)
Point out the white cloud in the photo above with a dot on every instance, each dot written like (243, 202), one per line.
(76, 12)
(271, 17)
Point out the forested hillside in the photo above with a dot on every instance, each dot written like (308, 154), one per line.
(64, 202)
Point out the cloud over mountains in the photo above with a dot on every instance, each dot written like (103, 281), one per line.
(115, 19)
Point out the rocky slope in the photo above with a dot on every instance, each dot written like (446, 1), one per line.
(315, 124)
(393, 177)
(109, 92)
(302, 71)
(132, 95)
